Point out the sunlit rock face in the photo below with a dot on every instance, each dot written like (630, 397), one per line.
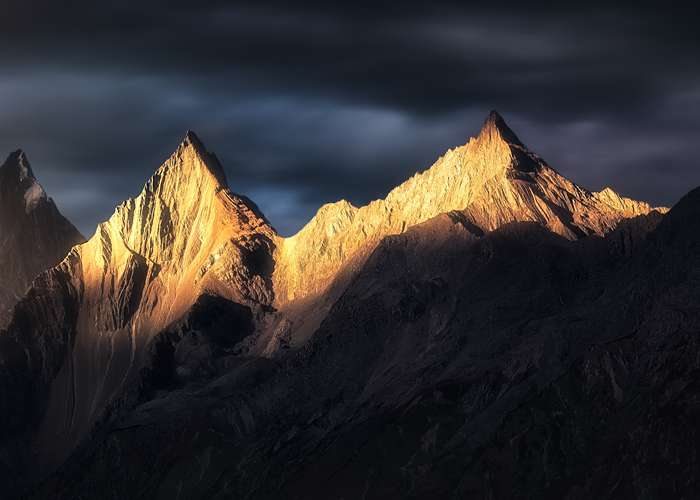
(187, 283)
(494, 179)
(34, 236)
(185, 235)
(457, 364)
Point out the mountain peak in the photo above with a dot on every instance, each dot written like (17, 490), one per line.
(18, 184)
(35, 236)
(192, 154)
(184, 203)
(192, 139)
(496, 127)
(493, 180)
(16, 168)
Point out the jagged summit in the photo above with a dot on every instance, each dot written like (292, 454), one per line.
(18, 186)
(184, 236)
(182, 204)
(113, 325)
(16, 171)
(16, 166)
(191, 158)
(494, 179)
(495, 127)
(192, 140)
(33, 234)
(192, 137)
(144, 351)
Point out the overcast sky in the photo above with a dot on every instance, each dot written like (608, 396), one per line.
(309, 105)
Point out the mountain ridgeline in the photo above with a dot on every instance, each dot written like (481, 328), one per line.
(489, 330)
(34, 236)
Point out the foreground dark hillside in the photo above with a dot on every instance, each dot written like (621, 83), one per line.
(489, 329)
(458, 363)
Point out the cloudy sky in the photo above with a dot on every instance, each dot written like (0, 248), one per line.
(312, 104)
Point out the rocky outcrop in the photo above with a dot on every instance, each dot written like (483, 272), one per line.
(34, 236)
(494, 179)
(184, 236)
(513, 363)
(228, 361)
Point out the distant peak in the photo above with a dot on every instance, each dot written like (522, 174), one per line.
(17, 168)
(191, 138)
(496, 126)
(210, 161)
(17, 182)
(494, 117)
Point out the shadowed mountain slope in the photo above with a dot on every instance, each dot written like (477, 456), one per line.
(493, 179)
(193, 349)
(505, 364)
(34, 236)
(78, 341)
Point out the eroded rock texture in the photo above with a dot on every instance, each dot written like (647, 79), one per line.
(34, 236)
(506, 364)
(494, 179)
(489, 330)
(184, 236)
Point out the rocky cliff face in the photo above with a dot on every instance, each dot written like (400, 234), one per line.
(494, 179)
(459, 363)
(223, 360)
(34, 236)
(185, 235)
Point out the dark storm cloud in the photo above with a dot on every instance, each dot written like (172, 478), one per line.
(308, 105)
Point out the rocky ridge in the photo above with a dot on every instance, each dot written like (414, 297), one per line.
(183, 236)
(34, 236)
(493, 178)
(186, 295)
(458, 363)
